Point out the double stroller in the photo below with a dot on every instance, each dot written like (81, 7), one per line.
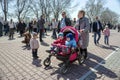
(64, 53)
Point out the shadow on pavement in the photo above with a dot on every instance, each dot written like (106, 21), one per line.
(44, 44)
(26, 47)
(111, 47)
(76, 71)
(101, 73)
(37, 62)
(20, 36)
(11, 39)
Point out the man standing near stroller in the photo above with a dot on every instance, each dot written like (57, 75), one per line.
(64, 22)
(83, 27)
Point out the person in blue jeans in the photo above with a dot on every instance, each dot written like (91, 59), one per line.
(106, 33)
(97, 28)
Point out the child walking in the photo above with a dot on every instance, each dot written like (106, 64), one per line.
(106, 33)
(34, 45)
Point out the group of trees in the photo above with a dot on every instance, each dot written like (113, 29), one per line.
(27, 8)
(95, 8)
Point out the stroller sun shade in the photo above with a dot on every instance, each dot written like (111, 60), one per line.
(70, 29)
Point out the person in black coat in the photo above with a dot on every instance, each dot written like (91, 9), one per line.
(64, 21)
(97, 28)
(119, 28)
(21, 27)
(41, 23)
(30, 26)
(1, 27)
(6, 28)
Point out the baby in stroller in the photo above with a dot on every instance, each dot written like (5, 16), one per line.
(70, 41)
(60, 41)
(67, 52)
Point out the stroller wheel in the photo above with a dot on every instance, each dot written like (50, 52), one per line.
(63, 69)
(47, 62)
(81, 58)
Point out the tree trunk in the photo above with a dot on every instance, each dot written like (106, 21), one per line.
(19, 17)
(5, 10)
(56, 15)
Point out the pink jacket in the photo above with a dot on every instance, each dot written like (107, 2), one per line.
(106, 32)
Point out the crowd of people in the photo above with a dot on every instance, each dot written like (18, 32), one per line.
(41, 26)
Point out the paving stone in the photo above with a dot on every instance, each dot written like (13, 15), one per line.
(12, 78)
(19, 61)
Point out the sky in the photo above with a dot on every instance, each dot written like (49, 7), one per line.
(113, 5)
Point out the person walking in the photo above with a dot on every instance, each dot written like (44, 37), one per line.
(6, 28)
(74, 22)
(118, 27)
(41, 23)
(11, 31)
(21, 27)
(1, 26)
(46, 27)
(106, 33)
(35, 26)
(82, 25)
(54, 26)
(30, 26)
(97, 28)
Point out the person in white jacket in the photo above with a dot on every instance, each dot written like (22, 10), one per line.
(34, 44)
(11, 27)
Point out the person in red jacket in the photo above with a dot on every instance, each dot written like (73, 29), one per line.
(60, 41)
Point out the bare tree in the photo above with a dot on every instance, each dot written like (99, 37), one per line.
(58, 6)
(109, 16)
(94, 8)
(45, 8)
(20, 6)
(4, 5)
(34, 7)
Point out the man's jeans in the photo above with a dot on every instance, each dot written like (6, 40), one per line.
(96, 40)
(106, 40)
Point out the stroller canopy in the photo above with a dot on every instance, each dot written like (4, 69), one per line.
(72, 30)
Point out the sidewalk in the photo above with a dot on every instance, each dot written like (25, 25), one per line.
(106, 70)
(16, 60)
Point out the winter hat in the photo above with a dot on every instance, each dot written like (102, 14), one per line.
(34, 34)
(106, 26)
(60, 34)
(69, 35)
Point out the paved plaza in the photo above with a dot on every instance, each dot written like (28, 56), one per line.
(103, 61)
